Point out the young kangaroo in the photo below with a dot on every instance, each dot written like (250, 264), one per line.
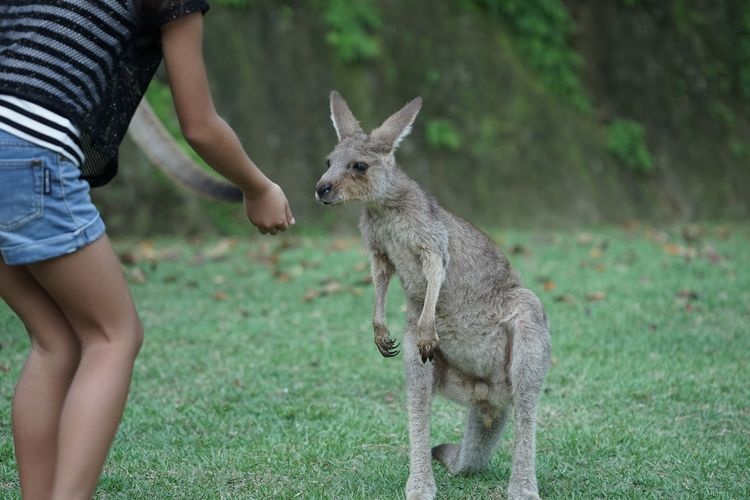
(473, 333)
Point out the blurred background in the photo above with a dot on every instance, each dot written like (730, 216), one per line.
(537, 113)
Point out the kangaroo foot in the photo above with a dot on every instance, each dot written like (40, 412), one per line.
(447, 454)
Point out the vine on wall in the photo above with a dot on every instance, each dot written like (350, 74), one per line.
(541, 30)
(352, 29)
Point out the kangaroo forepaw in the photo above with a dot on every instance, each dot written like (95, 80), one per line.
(427, 348)
(388, 347)
(427, 341)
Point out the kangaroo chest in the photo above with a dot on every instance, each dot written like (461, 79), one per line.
(402, 246)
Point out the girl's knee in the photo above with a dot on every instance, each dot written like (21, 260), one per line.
(123, 338)
(129, 338)
(132, 338)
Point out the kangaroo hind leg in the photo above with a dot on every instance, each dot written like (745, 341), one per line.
(480, 439)
(528, 367)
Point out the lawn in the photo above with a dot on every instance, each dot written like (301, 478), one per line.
(259, 377)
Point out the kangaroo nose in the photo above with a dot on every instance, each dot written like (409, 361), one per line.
(323, 189)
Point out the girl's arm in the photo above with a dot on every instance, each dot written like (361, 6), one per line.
(208, 134)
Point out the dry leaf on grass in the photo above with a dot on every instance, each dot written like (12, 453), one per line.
(688, 294)
(146, 251)
(329, 288)
(596, 296)
(565, 298)
(137, 275)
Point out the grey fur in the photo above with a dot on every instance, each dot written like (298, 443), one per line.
(473, 333)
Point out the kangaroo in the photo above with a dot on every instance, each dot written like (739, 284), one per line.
(473, 333)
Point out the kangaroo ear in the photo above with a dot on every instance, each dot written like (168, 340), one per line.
(343, 119)
(397, 126)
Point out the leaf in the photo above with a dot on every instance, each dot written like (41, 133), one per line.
(584, 238)
(547, 283)
(723, 233)
(220, 249)
(328, 288)
(519, 249)
(341, 244)
(332, 287)
(365, 280)
(596, 252)
(128, 257)
(688, 294)
(281, 276)
(565, 298)
(596, 296)
(221, 295)
(137, 275)
(361, 266)
(679, 251)
(692, 233)
(146, 251)
(712, 255)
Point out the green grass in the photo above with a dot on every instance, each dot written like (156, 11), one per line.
(259, 377)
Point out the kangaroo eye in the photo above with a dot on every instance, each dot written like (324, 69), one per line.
(328, 163)
(359, 166)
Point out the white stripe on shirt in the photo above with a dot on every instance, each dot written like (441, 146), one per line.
(63, 139)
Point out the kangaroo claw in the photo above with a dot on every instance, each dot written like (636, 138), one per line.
(387, 347)
(427, 352)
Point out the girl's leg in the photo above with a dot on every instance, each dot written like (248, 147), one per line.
(90, 289)
(44, 382)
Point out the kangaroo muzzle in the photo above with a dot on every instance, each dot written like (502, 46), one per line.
(323, 192)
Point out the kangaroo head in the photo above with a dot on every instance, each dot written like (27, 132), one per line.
(361, 166)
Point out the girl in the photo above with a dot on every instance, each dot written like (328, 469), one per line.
(71, 75)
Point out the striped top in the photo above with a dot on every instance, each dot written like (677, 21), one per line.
(72, 72)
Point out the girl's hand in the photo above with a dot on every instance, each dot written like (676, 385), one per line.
(268, 209)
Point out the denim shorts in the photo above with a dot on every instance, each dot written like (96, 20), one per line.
(45, 207)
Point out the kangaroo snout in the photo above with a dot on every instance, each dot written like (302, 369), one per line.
(323, 192)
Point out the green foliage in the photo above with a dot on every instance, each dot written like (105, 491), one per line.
(626, 140)
(743, 49)
(234, 3)
(442, 133)
(739, 150)
(541, 30)
(352, 29)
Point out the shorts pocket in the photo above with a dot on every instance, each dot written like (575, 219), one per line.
(21, 192)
